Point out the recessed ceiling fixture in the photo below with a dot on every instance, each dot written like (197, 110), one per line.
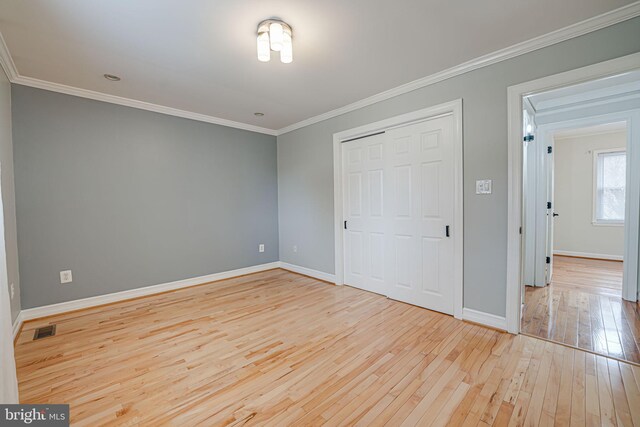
(275, 35)
(112, 77)
(258, 114)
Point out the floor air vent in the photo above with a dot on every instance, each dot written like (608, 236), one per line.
(45, 331)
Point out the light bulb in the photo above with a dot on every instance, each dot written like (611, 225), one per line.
(276, 33)
(286, 54)
(264, 51)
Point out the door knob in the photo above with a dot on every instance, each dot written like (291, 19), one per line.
(555, 214)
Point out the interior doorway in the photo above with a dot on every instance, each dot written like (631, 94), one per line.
(580, 217)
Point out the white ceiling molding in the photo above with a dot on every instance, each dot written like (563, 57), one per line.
(99, 96)
(592, 24)
(6, 61)
(601, 21)
(12, 73)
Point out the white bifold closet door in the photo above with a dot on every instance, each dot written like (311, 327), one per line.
(399, 206)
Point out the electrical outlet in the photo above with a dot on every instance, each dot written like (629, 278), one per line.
(13, 290)
(295, 248)
(261, 247)
(483, 186)
(65, 276)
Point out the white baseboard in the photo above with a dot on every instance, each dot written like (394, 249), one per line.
(48, 310)
(17, 324)
(483, 318)
(309, 272)
(588, 255)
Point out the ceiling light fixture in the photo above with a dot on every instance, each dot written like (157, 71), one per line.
(112, 78)
(275, 35)
(258, 114)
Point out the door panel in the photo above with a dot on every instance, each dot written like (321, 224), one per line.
(399, 200)
(429, 155)
(431, 265)
(355, 194)
(403, 265)
(376, 192)
(365, 245)
(403, 191)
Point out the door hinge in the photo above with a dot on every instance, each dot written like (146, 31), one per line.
(549, 149)
(446, 231)
(345, 225)
(548, 205)
(548, 260)
(520, 231)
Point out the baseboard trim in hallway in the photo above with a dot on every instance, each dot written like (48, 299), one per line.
(588, 255)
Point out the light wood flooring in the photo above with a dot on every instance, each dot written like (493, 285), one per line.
(276, 348)
(583, 307)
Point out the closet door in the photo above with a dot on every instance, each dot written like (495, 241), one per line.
(399, 206)
(420, 166)
(365, 236)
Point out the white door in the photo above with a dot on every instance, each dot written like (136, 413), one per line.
(363, 190)
(529, 199)
(550, 210)
(399, 207)
(421, 169)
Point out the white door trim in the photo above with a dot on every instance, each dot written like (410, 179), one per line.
(453, 107)
(514, 148)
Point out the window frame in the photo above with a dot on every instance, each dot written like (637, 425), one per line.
(595, 220)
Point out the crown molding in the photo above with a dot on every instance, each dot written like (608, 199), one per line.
(6, 61)
(592, 24)
(142, 105)
(575, 30)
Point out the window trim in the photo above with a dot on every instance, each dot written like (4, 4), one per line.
(594, 220)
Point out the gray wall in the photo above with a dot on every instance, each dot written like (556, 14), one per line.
(305, 160)
(8, 193)
(127, 198)
(574, 230)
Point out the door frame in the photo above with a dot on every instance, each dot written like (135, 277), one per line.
(454, 108)
(515, 95)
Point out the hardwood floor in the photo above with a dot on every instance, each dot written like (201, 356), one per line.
(276, 348)
(583, 307)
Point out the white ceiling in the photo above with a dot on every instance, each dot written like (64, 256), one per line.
(199, 55)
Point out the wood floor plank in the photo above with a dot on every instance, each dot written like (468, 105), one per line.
(276, 348)
(592, 403)
(583, 307)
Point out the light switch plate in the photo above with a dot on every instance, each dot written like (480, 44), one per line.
(65, 276)
(483, 186)
(261, 247)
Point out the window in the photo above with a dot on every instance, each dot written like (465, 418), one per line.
(610, 177)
